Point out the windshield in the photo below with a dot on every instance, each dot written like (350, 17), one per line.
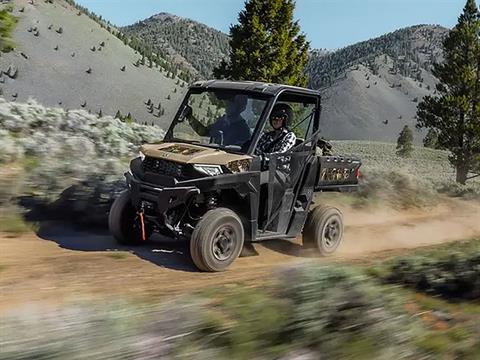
(220, 118)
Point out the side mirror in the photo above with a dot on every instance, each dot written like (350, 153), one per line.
(185, 114)
(216, 137)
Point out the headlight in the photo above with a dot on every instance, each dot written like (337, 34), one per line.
(237, 166)
(210, 170)
(141, 155)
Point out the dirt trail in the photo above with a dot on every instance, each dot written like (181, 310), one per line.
(64, 264)
(386, 229)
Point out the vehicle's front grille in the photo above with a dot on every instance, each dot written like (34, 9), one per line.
(162, 167)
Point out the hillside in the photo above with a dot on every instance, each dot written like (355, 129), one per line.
(62, 57)
(372, 89)
(187, 42)
(413, 49)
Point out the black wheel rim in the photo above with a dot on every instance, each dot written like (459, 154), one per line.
(223, 245)
(332, 233)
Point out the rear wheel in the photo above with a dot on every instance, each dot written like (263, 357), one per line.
(124, 222)
(217, 240)
(323, 230)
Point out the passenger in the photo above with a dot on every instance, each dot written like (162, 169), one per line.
(277, 141)
(232, 125)
(280, 139)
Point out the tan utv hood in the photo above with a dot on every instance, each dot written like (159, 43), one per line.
(190, 154)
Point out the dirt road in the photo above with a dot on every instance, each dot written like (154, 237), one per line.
(64, 264)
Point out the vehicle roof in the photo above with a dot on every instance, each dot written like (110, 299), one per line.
(255, 86)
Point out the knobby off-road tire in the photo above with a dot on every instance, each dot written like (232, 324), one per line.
(323, 230)
(217, 240)
(123, 221)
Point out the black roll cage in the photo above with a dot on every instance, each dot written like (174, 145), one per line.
(285, 94)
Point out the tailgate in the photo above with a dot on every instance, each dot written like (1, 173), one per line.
(338, 173)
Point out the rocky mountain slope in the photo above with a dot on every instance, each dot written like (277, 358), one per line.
(64, 58)
(372, 89)
(187, 42)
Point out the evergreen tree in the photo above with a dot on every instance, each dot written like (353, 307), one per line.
(405, 142)
(431, 139)
(455, 113)
(128, 119)
(266, 45)
(118, 115)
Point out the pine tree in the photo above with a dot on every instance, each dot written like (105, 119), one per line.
(267, 45)
(405, 142)
(118, 115)
(431, 139)
(128, 119)
(455, 113)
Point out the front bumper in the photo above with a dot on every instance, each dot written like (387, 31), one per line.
(165, 206)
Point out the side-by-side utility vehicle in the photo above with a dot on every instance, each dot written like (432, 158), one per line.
(206, 183)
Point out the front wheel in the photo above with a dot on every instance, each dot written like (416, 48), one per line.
(217, 240)
(323, 230)
(124, 222)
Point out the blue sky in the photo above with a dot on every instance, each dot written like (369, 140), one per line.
(328, 24)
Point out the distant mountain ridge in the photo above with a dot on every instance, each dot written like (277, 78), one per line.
(371, 89)
(198, 47)
(412, 48)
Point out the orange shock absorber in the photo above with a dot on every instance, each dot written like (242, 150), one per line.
(142, 223)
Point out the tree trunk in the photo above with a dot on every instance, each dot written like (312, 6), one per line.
(462, 173)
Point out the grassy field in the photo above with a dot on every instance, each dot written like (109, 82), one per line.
(425, 165)
(404, 182)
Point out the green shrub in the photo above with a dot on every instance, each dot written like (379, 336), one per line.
(331, 311)
(79, 174)
(7, 24)
(12, 222)
(456, 276)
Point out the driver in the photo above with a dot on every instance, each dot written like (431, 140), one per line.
(233, 126)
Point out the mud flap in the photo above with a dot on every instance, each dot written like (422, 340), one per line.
(248, 250)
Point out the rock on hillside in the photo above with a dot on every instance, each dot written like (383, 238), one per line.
(192, 44)
(66, 59)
